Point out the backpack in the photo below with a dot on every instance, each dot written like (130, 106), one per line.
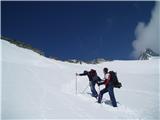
(114, 80)
(94, 76)
(93, 73)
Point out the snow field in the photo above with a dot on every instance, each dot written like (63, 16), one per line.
(35, 87)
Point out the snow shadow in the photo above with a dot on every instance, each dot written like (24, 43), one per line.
(108, 102)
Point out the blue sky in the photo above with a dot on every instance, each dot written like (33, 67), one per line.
(81, 30)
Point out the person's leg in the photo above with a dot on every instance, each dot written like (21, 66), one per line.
(93, 90)
(112, 97)
(101, 94)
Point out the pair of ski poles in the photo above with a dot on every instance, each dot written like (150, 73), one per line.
(84, 88)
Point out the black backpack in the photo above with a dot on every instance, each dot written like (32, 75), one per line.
(114, 80)
(94, 76)
(93, 73)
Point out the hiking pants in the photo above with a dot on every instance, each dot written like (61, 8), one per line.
(110, 90)
(93, 90)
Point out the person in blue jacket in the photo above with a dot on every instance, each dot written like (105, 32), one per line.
(93, 79)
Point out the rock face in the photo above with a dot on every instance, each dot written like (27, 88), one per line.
(94, 61)
(97, 61)
(74, 61)
(148, 54)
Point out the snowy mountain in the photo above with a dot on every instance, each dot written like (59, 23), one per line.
(94, 61)
(75, 61)
(148, 54)
(35, 87)
(97, 61)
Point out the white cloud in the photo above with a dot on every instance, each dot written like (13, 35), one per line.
(148, 36)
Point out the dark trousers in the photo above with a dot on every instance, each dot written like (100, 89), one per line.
(110, 90)
(93, 90)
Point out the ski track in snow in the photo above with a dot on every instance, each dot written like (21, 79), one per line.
(86, 97)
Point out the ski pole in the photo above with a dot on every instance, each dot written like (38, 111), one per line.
(76, 85)
(85, 89)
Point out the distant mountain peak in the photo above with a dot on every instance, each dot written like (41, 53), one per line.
(98, 60)
(147, 54)
(94, 61)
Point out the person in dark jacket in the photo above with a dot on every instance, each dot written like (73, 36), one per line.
(108, 88)
(93, 79)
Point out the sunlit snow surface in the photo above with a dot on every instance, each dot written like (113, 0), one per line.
(35, 87)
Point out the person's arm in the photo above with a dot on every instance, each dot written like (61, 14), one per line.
(81, 74)
(101, 82)
(99, 79)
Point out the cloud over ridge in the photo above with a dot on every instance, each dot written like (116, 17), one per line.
(148, 35)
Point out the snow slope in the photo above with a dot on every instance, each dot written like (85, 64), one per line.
(40, 88)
